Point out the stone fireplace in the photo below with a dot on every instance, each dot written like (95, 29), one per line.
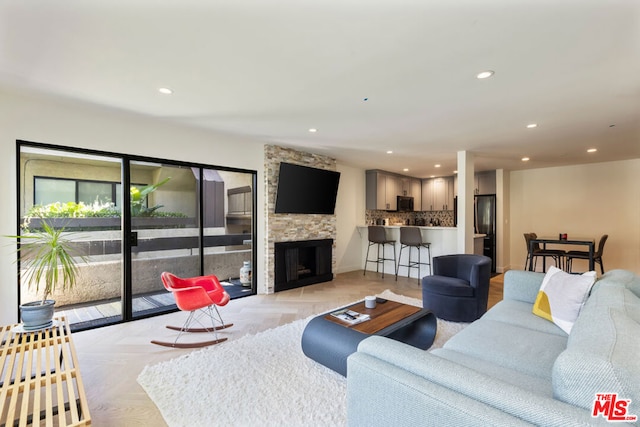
(283, 228)
(302, 263)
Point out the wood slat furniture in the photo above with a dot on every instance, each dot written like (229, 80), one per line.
(40, 382)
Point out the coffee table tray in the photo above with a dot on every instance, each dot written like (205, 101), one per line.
(329, 341)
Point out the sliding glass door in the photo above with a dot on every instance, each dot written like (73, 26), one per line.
(80, 194)
(164, 232)
(228, 229)
(186, 219)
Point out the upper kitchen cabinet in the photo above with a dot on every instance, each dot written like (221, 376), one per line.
(438, 194)
(416, 192)
(427, 195)
(485, 182)
(382, 190)
(412, 187)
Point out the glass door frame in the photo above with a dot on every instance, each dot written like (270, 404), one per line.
(126, 217)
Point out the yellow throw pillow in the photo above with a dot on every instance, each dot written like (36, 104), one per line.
(562, 295)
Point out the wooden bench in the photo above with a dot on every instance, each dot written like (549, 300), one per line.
(40, 382)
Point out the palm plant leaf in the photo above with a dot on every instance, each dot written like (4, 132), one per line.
(48, 257)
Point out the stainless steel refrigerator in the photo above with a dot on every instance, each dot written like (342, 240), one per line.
(485, 223)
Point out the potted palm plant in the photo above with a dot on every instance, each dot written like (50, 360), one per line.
(47, 260)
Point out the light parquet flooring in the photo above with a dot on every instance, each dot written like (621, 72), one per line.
(112, 357)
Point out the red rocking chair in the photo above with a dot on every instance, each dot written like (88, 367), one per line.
(200, 296)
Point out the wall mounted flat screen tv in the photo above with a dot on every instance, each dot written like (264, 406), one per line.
(306, 190)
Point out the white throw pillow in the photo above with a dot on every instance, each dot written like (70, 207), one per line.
(562, 295)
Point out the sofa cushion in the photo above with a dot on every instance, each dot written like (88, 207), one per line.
(621, 278)
(522, 285)
(562, 296)
(519, 313)
(525, 350)
(601, 356)
(534, 384)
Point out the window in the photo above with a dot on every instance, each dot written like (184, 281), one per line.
(48, 190)
(51, 190)
(90, 192)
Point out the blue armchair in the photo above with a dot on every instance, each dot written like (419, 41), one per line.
(458, 291)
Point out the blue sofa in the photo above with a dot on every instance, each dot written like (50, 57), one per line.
(510, 367)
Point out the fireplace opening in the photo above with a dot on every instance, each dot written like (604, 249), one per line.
(302, 263)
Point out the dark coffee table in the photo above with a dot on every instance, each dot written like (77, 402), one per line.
(329, 341)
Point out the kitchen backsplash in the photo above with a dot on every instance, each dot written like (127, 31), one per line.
(437, 218)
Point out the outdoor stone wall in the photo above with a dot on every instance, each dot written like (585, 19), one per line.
(292, 227)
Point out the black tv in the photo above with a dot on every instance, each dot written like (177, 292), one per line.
(306, 190)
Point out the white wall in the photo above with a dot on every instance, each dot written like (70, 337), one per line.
(583, 201)
(350, 212)
(42, 119)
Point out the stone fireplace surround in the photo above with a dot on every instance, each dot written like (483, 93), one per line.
(292, 227)
(302, 263)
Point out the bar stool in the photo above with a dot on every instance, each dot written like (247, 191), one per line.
(411, 237)
(378, 236)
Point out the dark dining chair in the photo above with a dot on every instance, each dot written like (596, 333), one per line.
(557, 255)
(597, 255)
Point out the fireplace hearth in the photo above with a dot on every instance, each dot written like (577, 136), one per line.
(302, 263)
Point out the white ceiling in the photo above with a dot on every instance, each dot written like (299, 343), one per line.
(270, 70)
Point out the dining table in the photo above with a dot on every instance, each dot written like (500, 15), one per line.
(544, 241)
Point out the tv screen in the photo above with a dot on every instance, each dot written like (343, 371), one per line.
(306, 190)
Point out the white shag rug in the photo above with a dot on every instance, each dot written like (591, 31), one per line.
(257, 380)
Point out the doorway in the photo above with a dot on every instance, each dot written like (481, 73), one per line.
(176, 216)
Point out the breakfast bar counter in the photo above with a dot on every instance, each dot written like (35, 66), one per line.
(443, 242)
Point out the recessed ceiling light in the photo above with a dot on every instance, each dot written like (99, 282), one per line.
(312, 130)
(455, 171)
(406, 169)
(525, 159)
(485, 74)
(432, 176)
(592, 150)
(532, 125)
(165, 91)
(389, 152)
(437, 166)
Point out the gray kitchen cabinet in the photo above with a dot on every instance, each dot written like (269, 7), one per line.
(382, 190)
(485, 182)
(437, 194)
(412, 187)
(428, 202)
(406, 189)
(416, 192)
(393, 188)
(451, 193)
(384, 187)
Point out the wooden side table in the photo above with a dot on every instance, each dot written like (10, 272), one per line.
(40, 382)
